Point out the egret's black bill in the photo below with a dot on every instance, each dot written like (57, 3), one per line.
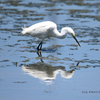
(76, 40)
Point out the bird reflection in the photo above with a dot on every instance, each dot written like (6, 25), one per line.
(40, 55)
(47, 72)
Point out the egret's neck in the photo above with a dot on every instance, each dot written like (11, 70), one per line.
(60, 35)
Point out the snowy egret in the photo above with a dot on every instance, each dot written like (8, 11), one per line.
(48, 29)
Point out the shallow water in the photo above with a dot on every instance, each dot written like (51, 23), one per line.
(62, 70)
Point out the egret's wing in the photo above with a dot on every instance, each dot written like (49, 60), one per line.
(41, 30)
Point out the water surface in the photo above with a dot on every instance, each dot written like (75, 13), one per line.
(62, 70)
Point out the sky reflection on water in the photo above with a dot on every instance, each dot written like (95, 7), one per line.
(58, 60)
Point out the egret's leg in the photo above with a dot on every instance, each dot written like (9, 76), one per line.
(39, 46)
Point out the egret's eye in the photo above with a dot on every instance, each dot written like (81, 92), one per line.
(72, 34)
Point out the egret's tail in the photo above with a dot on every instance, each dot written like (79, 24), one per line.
(24, 30)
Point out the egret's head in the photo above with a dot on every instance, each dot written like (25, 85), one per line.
(70, 31)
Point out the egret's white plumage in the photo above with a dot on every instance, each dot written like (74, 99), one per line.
(48, 29)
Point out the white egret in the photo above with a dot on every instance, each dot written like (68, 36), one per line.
(48, 29)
